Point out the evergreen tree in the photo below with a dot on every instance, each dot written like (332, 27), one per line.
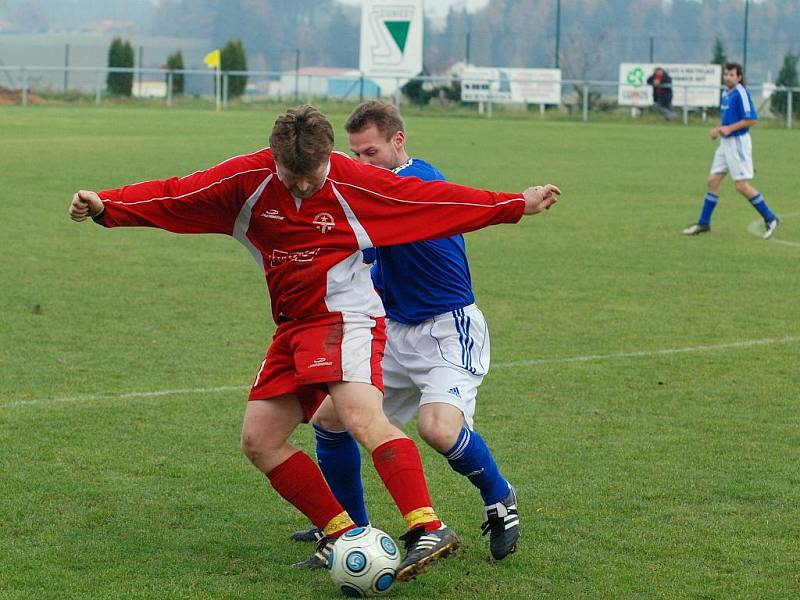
(786, 78)
(415, 93)
(120, 54)
(718, 58)
(233, 59)
(175, 63)
(718, 53)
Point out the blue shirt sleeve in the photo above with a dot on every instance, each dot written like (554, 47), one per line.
(369, 255)
(747, 109)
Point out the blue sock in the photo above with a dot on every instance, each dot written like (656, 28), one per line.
(472, 458)
(760, 205)
(709, 204)
(340, 461)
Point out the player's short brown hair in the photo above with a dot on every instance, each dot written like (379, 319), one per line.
(384, 115)
(302, 139)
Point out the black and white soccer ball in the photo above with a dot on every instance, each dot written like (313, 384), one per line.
(363, 562)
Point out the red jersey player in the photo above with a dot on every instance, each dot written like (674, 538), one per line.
(305, 213)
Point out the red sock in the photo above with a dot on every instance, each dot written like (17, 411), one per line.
(299, 480)
(400, 467)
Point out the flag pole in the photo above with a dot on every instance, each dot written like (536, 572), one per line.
(213, 60)
(219, 88)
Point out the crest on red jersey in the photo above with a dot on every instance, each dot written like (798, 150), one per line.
(324, 222)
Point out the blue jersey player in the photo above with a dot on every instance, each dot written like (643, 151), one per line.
(437, 350)
(734, 154)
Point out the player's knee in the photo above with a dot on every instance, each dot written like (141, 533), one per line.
(250, 447)
(713, 182)
(328, 422)
(369, 428)
(256, 447)
(743, 186)
(440, 434)
(358, 422)
(327, 417)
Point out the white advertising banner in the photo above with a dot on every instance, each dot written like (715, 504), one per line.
(524, 86)
(697, 84)
(391, 39)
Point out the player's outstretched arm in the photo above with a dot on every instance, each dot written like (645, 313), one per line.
(85, 204)
(540, 198)
(398, 210)
(206, 201)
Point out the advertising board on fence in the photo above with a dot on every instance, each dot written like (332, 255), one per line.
(524, 86)
(694, 85)
(391, 39)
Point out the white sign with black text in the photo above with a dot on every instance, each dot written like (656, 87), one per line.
(523, 86)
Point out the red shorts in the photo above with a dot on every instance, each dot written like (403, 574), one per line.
(306, 355)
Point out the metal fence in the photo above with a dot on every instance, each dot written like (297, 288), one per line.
(577, 98)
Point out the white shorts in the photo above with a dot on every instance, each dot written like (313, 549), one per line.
(735, 156)
(443, 360)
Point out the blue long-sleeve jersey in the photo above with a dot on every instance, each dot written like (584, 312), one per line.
(420, 280)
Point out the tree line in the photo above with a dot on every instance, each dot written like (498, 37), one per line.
(121, 55)
(594, 35)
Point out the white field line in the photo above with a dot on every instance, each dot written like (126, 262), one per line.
(642, 353)
(125, 396)
(757, 229)
(502, 365)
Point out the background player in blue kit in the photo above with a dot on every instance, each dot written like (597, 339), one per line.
(734, 154)
(437, 351)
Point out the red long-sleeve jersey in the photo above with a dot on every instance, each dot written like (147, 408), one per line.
(310, 249)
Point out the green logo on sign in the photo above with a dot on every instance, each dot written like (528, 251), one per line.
(399, 32)
(635, 77)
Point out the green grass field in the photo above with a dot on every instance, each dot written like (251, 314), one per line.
(644, 395)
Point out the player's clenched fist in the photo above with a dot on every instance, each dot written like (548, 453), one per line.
(539, 198)
(85, 204)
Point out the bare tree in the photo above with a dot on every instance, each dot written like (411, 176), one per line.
(582, 58)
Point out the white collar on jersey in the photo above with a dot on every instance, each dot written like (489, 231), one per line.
(403, 166)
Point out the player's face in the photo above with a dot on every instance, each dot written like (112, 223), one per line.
(370, 146)
(303, 185)
(731, 78)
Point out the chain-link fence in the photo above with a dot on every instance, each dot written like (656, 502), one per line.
(25, 85)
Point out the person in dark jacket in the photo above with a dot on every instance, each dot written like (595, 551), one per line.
(662, 92)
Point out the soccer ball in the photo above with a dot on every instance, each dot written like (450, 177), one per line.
(363, 562)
